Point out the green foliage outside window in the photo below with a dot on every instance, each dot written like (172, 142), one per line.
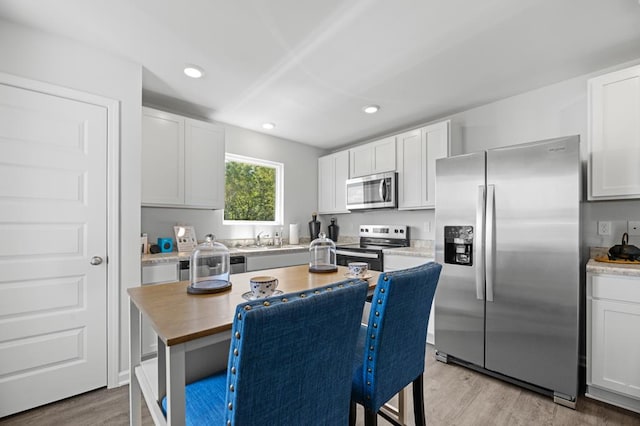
(250, 192)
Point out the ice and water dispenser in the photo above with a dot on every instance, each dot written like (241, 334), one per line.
(458, 245)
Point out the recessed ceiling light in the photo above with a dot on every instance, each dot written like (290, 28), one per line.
(371, 109)
(268, 126)
(193, 71)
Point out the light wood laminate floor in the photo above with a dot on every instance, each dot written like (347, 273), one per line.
(454, 395)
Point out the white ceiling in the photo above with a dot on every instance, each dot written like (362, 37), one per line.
(310, 66)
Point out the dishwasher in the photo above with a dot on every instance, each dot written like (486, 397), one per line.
(238, 265)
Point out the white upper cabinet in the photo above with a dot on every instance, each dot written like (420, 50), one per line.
(333, 172)
(614, 135)
(182, 161)
(417, 152)
(204, 150)
(374, 157)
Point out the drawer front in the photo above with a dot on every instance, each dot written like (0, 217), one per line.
(160, 273)
(622, 288)
(393, 262)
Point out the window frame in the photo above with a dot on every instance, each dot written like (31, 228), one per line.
(279, 204)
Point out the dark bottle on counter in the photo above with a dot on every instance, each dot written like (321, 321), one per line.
(334, 230)
(314, 226)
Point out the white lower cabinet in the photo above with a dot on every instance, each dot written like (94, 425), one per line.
(256, 263)
(155, 274)
(613, 339)
(393, 262)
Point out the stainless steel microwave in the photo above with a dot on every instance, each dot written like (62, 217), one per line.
(372, 192)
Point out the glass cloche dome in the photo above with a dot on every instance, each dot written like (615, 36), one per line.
(322, 255)
(209, 267)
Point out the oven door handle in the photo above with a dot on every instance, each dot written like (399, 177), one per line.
(357, 254)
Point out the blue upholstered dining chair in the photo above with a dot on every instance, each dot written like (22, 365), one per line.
(391, 348)
(290, 361)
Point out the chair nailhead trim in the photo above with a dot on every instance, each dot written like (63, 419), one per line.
(228, 422)
(386, 278)
(373, 336)
(303, 295)
(235, 352)
(369, 357)
(233, 370)
(382, 290)
(377, 313)
(316, 292)
(371, 348)
(375, 325)
(368, 383)
(230, 406)
(265, 303)
(341, 286)
(379, 301)
(237, 334)
(239, 316)
(247, 308)
(369, 370)
(231, 388)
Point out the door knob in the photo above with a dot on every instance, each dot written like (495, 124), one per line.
(96, 260)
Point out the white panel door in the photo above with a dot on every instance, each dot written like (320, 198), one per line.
(53, 221)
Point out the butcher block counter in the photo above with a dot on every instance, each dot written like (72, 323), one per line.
(178, 317)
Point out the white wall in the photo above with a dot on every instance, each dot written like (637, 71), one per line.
(39, 56)
(300, 188)
(551, 111)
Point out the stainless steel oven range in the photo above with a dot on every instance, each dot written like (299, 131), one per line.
(373, 239)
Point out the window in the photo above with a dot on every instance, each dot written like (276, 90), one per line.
(253, 191)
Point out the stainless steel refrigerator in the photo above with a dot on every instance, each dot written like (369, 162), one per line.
(507, 235)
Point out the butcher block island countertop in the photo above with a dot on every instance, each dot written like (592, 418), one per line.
(179, 317)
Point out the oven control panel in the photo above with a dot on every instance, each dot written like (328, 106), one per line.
(384, 231)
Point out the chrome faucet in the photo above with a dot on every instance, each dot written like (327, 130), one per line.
(258, 242)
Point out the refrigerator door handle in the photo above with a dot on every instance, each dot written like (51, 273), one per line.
(479, 252)
(489, 248)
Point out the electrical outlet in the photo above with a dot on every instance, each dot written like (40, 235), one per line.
(604, 227)
(633, 227)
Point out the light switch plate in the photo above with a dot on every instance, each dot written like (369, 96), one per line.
(633, 227)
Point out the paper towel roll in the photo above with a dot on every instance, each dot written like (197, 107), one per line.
(293, 234)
